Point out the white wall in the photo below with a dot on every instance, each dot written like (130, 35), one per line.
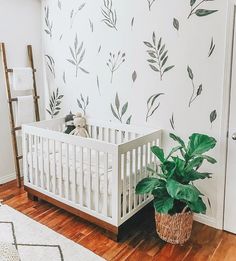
(187, 46)
(20, 24)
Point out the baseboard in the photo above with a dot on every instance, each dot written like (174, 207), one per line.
(209, 221)
(7, 178)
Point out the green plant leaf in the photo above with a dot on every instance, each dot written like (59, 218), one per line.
(163, 205)
(182, 192)
(179, 164)
(194, 175)
(198, 206)
(147, 185)
(209, 159)
(204, 12)
(159, 153)
(168, 168)
(178, 139)
(175, 149)
(200, 143)
(194, 163)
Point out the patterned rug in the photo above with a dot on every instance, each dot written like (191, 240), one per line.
(37, 242)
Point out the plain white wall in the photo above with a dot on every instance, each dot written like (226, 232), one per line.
(20, 25)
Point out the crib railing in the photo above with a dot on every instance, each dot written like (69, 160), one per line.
(97, 175)
(136, 159)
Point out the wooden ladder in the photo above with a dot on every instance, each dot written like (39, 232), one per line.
(11, 99)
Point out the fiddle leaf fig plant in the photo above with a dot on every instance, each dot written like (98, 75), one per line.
(172, 184)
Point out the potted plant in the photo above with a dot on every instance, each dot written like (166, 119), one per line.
(176, 197)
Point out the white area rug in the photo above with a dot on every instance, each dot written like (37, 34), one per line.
(36, 242)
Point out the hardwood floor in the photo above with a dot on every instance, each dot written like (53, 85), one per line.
(140, 243)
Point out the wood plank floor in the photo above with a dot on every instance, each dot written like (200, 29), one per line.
(140, 243)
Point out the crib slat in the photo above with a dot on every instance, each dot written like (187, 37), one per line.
(109, 135)
(141, 167)
(41, 163)
(60, 169)
(67, 182)
(120, 137)
(124, 183)
(48, 165)
(139, 172)
(89, 178)
(36, 160)
(135, 175)
(114, 136)
(31, 160)
(130, 179)
(81, 176)
(146, 164)
(129, 136)
(53, 167)
(73, 174)
(100, 133)
(154, 157)
(106, 135)
(97, 193)
(105, 183)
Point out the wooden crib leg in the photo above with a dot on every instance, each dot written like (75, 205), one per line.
(32, 197)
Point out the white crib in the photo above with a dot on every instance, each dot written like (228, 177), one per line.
(95, 177)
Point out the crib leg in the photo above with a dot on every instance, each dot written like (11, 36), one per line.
(114, 236)
(32, 197)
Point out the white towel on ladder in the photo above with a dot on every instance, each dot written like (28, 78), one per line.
(22, 79)
(25, 110)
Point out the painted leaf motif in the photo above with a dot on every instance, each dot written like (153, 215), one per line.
(124, 109)
(129, 120)
(132, 22)
(154, 68)
(176, 24)
(114, 113)
(169, 68)
(212, 47)
(190, 73)
(213, 116)
(204, 12)
(199, 90)
(154, 38)
(134, 76)
(117, 102)
(148, 44)
(172, 121)
(192, 2)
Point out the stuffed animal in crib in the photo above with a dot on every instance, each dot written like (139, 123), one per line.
(80, 126)
(69, 121)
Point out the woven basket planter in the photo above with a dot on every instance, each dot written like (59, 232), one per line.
(174, 229)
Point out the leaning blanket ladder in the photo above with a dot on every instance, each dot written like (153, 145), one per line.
(11, 99)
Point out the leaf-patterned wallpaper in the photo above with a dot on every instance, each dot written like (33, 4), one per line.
(154, 62)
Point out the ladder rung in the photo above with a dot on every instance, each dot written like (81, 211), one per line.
(19, 157)
(15, 99)
(11, 70)
(17, 128)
